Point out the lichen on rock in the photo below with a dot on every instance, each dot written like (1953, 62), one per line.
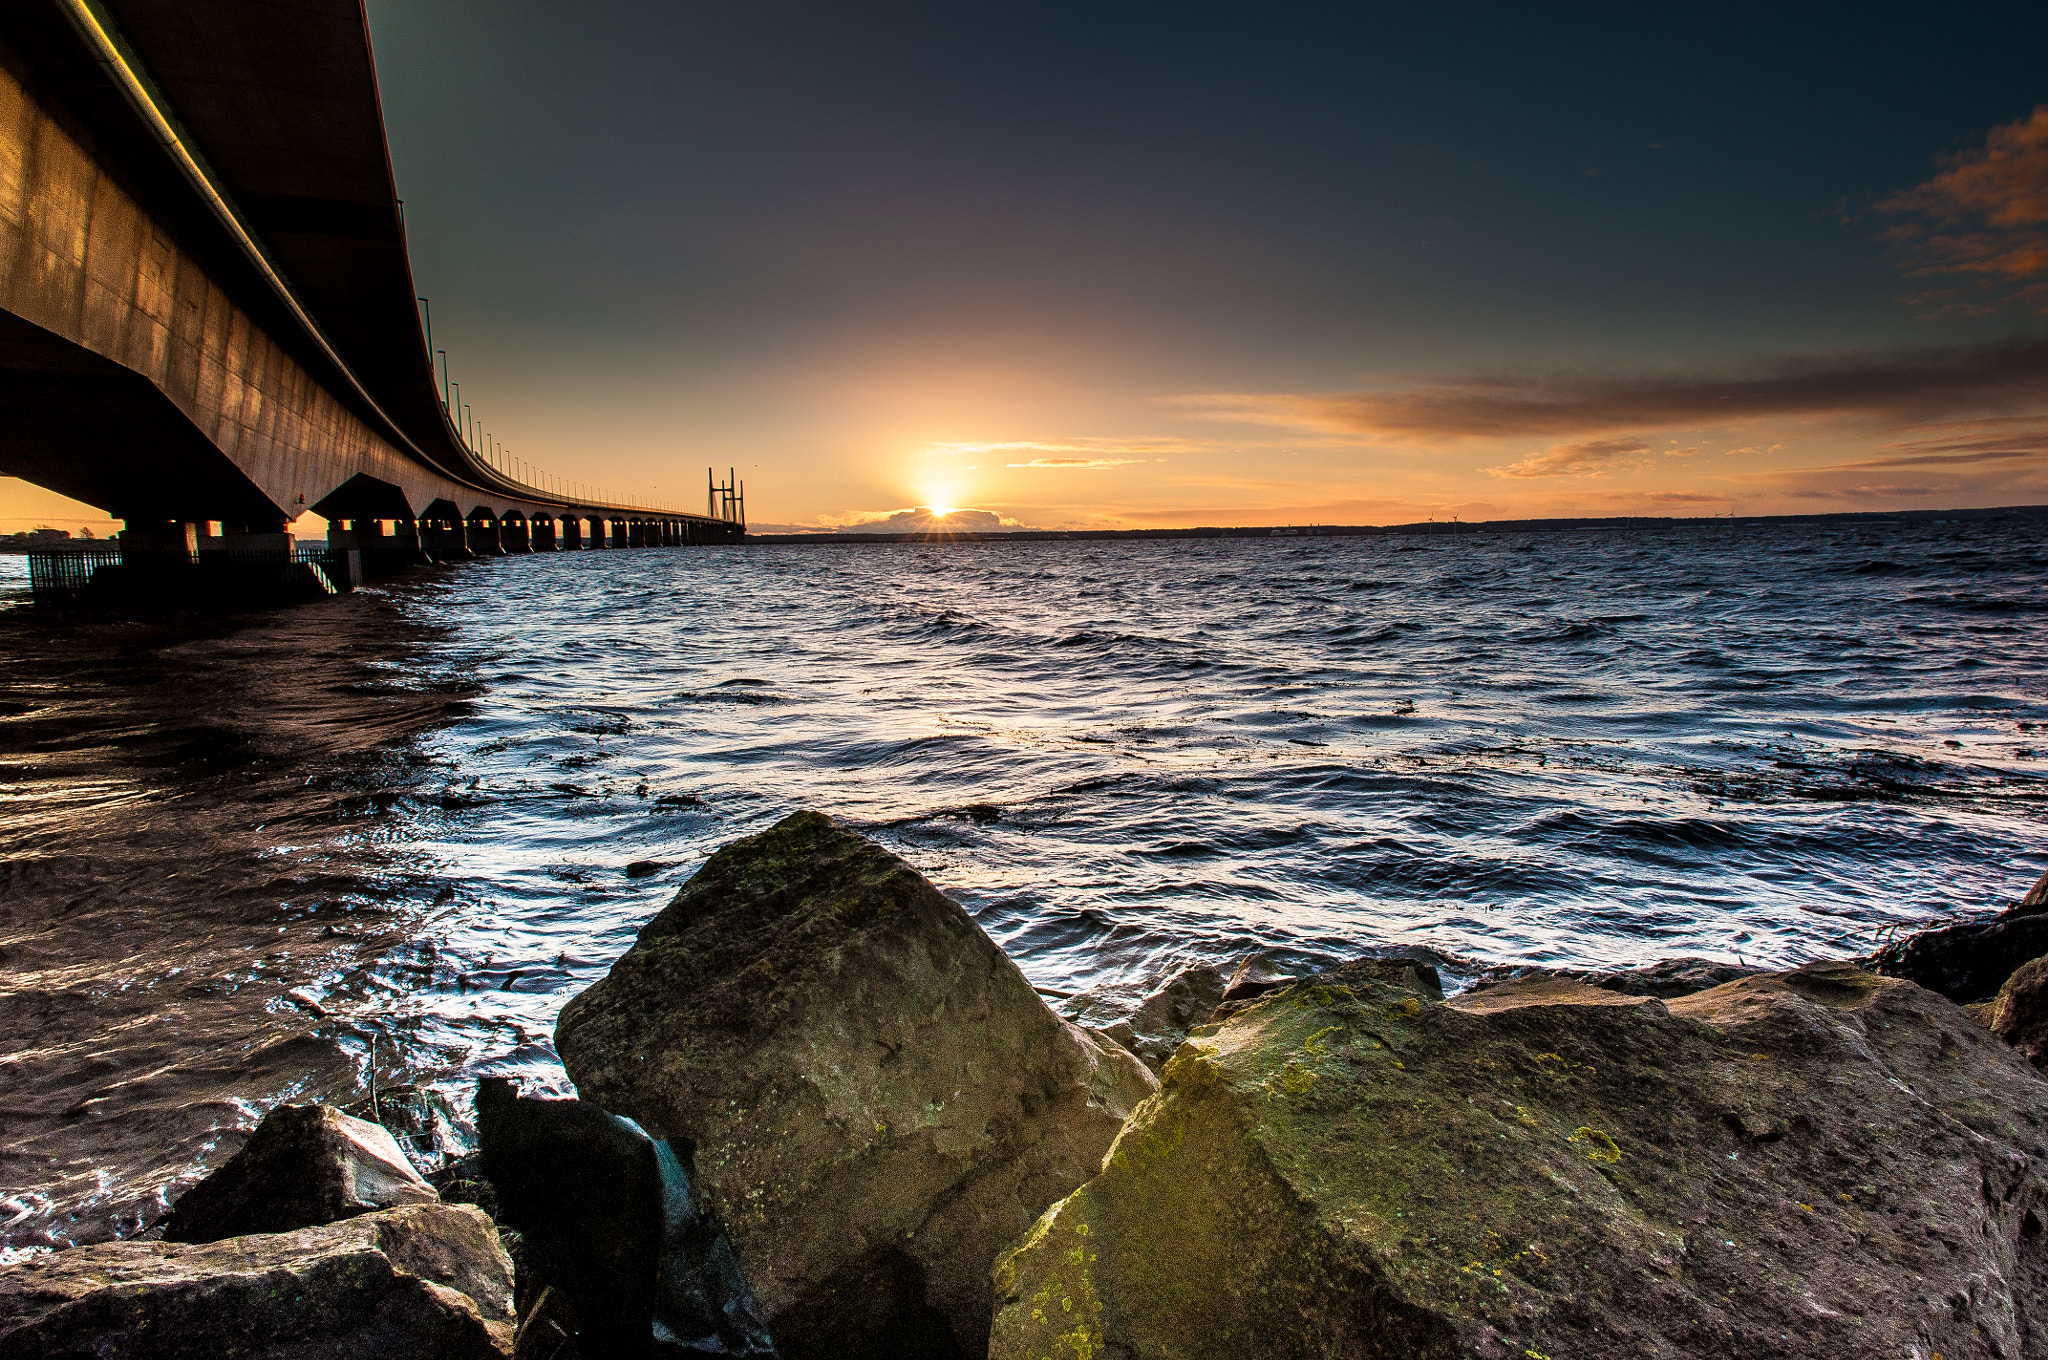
(1822, 1162)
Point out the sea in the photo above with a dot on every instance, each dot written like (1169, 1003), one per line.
(375, 843)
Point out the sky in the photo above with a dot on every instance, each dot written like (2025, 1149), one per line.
(1164, 265)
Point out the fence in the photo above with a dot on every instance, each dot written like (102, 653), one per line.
(98, 575)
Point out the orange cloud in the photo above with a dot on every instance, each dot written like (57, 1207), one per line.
(1984, 461)
(1985, 214)
(1080, 462)
(1595, 458)
(1898, 387)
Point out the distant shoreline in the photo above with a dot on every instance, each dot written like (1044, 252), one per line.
(2025, 513)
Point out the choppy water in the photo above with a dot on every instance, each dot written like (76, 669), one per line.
(1589, 749)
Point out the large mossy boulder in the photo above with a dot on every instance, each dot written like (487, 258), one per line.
(304, 1165)
(876, 1100)
(400, 1284)
(1817, 1163)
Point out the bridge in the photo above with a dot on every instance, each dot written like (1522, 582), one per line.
(208, 321)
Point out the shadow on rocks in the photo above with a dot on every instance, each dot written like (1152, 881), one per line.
(611, 1250)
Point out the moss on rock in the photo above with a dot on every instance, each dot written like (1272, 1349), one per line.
(1821, 1162)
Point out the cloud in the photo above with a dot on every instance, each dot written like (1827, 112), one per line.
(1985, 215)
(1081, 462)
(912, 520)
(922, 519)
(1594, 458)
(1896, 387)
(1083, 450)
(1983, 461)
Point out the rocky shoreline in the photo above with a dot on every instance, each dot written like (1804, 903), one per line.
(824, 1115)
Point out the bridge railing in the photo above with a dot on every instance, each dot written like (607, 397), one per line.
(99, 574)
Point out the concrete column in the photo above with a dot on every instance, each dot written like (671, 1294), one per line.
(516, 535)
(269, 536)
(621, 534)
(481, 534)
(175, 540)
(344, 537)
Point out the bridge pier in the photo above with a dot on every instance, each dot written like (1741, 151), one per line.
(379, 553)
(405, 545)
(480, 535)
(441, 535)
(515, 533)
(541, 531)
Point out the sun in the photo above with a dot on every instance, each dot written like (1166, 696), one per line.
(941, 511)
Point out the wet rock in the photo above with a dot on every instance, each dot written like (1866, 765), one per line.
(304, 1165)
(1971, 961)
(398, 1284)
(581, 1188)
(1818, 1163)
(1666, 979)
(876, 1101)
(607, 1229)
(1254, 976)
(645, 868)
(1155, 1029)
(2020, 1014)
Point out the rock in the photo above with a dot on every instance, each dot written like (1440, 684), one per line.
(876, 1101)
(1818, 1163)
(1155, 1029)
(2020, 1014)
(1971, 961)
(1670, 979)
(581, 1188)
(605, 1218)
(397, 1284)
(645, 868)
(1254, 976)
(305, 1165)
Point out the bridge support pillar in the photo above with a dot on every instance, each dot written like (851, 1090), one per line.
(482, 537)
(345, 537)
(161, 539)
(273, 537)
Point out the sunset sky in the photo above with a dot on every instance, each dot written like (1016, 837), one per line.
(1172, 265)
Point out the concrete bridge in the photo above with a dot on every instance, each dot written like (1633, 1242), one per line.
(207, 317)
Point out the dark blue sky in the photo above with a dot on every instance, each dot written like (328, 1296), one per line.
(828, 239)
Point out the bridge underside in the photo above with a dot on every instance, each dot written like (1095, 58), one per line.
(100, 433)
